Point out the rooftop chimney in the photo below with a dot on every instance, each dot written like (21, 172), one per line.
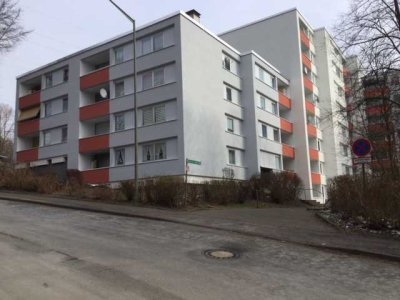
(194, 14)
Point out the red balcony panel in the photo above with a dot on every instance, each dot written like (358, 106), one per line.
(377, 110)
(316, 178)
(304, 39)
(95, 78)
(28, 127)
(93, 144)
(310, 107)
(285, 101)
(96, 110)
(99, 176)
(286, 126)
(312, 130)
(379, 128)
(382, 164)
(306, 61)
(314, 154)
(27, 155)
(288, 151)
(29, 100)
(308, 84)
(378, 92)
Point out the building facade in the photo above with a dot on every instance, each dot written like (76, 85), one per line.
(198, 98)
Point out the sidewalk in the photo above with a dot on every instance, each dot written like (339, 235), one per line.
(294, 225)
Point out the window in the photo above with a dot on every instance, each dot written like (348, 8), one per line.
(266, 77)
(146, 45)
(230, 125)
(158, 41)
(64, 134)
(47, 137)
(154, 114)
(47, 109)
(155, 151)
(345, 150)
(269, 132)
(119, 55)
(153, 79)
(119, 89)
(346, 170)
(101, 128)
(319, 145)
(49, 80)
(119, 157)
(120, 122)
(226, 63)
(268, 105)
(66, 75)
(65, 104)
(321, 168)
(158, 77)
(228, 95)
(231, 157)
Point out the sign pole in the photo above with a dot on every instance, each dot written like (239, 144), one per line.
(363, 177)
(186, 178)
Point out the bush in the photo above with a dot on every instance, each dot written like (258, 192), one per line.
(378, 204)
(282, 187)
(165, 191)
(225, 192)
(127, 189)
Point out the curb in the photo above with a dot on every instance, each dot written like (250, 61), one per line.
(241, 232)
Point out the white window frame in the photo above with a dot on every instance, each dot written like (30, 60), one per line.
(227, 63)
(153, 148)
(47, 138)
(119, 54)
(65, 74)
(153, 110)
(228, 95)
(48, 109)
(117, 88)
(49, 80)
(152, 45)
(232, 156)
(230, 124)
(151, 75)
(119, 126)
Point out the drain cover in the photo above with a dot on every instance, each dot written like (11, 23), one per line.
(221, 254)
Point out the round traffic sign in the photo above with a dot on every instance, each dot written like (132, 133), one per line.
(361, 147)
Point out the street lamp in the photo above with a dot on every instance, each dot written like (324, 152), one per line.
(134, 96)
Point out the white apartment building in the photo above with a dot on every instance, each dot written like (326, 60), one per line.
(198, 96)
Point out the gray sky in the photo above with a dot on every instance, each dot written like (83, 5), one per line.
(62, 27)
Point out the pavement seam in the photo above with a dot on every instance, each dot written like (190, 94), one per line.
(350, 251)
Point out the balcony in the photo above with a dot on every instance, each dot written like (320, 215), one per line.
(285, 101)
(28, 127)
(306, 61)
(312, 131)
(316, 178)
(96, 110)
(377, 92)
(29, 100)
(308, 84)
(94, 144)
(286, 126)
(288, 151)
(314, 155)
(98, 77)
(97, 176)
(310, 107)
(304, 39)
(28, 155)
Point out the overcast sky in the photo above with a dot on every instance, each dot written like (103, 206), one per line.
(62, 27)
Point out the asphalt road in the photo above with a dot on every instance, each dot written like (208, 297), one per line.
(54, 253)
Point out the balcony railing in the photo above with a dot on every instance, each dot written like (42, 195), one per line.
(29, 100)
(94, 144)
(310, 107)
(285, 101)
(95, 78)
(95, 110)
(28, 127)
(28, 155)
(316, 178)
(305, 39)
(288, 151)
(96, 176)
(286, 126)
(306, 61)
(312, 130)
(314, 155)
(308, 84)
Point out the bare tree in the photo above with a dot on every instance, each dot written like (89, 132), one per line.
(6, 130)
(11, 30)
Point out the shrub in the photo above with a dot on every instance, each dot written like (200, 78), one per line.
(282, 187)
(378, 204)
(225, 192)
(127, 189)
(165, 191)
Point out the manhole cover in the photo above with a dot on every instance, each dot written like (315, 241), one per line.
(221, 254)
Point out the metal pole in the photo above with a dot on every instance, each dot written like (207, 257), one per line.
(136, 138)
(363, 177)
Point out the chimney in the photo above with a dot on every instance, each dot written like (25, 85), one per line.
(194, 14)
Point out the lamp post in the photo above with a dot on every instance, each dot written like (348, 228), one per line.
(134, 96)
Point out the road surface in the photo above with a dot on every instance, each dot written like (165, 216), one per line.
(55, 253)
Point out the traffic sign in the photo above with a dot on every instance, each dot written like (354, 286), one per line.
(362, 160)
(193, 162)
(361, 147)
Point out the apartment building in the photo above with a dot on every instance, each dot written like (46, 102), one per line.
(214, 99)
(313, 63)
(198, 98)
